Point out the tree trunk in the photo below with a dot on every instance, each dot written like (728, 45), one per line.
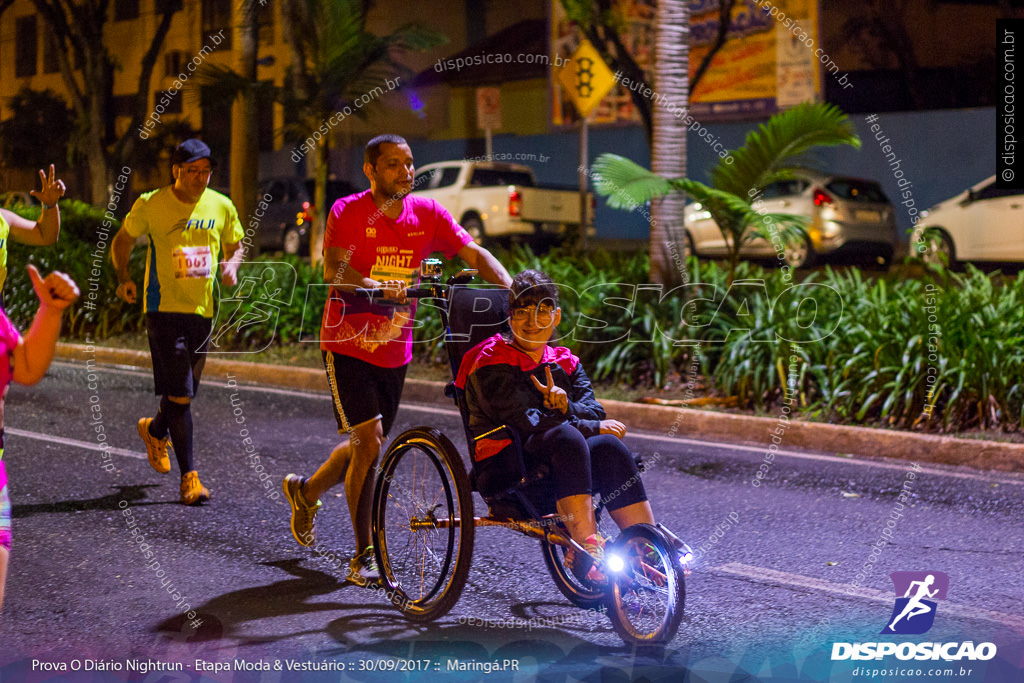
(244, 154)
(316, 235)
(668, 152)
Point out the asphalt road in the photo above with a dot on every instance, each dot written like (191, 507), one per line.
(769, 594)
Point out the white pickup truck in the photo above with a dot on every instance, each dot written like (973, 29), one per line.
(496, 200)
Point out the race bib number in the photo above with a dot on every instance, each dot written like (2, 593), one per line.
(406, 275)
(192, 262)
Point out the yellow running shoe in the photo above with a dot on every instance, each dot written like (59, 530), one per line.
(303, 513)
(192, 491)
(156, 449)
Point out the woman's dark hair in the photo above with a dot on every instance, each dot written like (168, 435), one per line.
(531, 288)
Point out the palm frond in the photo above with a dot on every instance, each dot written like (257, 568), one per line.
(626, 183)
(779, 147)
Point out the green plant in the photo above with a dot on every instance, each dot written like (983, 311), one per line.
(770, 153)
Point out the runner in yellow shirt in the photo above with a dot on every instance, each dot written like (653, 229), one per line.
(187, 225)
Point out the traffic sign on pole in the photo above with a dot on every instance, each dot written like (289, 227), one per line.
(586, 78)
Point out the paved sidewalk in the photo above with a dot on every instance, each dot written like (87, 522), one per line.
(678, 422)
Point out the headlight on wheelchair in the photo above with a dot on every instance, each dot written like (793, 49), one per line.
(614, 563)
(685, 556)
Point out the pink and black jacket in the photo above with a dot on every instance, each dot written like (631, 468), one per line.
(495, 377)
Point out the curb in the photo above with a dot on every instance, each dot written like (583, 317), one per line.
(714, 426)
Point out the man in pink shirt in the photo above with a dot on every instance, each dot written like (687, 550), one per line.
(374, 239)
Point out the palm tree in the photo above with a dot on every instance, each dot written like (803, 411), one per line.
(335, 60)
(668, 149)
(772, 152)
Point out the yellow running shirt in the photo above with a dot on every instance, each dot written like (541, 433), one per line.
(5, 234)
(184, 247)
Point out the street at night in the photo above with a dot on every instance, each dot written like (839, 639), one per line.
(769, 594)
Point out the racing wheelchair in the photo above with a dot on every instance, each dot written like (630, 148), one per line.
(423, 521)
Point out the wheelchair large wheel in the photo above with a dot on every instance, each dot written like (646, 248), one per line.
(423, 524)
(646, 596)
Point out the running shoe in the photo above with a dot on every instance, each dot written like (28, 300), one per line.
(584, 567)
(156, 449)
(303, 513)
(192, 492)
(362, 569)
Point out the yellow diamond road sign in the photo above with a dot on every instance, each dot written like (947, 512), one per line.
(586, 78)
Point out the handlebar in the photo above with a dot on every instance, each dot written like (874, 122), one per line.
(376, 295)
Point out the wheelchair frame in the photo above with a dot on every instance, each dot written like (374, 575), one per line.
(645, 594)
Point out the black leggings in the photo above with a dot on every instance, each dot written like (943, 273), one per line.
(587, 465)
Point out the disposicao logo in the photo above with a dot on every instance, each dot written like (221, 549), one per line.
(913, 613)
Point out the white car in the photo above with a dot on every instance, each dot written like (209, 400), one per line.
(983, 223)
(849, 219)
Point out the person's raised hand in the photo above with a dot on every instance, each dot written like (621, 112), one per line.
(56, 291)
(52, 188)
(555, 398)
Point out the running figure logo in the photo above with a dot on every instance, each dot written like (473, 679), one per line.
(914, 612)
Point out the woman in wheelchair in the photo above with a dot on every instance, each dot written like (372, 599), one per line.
(520, 389)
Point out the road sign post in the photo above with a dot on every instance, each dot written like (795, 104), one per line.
(586, 79)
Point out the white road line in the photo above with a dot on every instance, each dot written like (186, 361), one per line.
(91, 446)
(772, 576)
(1002, 477)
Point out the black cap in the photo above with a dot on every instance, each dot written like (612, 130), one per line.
(189, 151)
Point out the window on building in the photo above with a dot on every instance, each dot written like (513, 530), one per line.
(51, 65)
(171, 99)
(265, 121)
(164, 6)
(26, 46)
(217, 16)
(174, 63)
(125, 10)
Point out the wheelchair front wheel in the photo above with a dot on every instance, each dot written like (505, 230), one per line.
(647, 592)
(581, 594)
(423, 523)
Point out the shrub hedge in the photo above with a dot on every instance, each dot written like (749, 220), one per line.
(942, 352)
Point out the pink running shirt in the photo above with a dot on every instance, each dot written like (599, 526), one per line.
(382, 249)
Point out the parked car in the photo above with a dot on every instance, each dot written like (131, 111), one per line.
(498, 200)
(287, 222)
(982, 223)
(849, 219)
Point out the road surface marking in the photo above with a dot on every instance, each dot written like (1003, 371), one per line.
(772, 576)
(88, 445)
(1002, 477)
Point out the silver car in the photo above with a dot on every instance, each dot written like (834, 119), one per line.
(850, 219)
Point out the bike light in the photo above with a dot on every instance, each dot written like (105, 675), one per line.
(685, 557)
(615, 563)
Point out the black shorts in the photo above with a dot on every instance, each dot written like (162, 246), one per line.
(178, 343)
(362, 391)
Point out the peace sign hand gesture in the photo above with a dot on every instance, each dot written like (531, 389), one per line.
(52, 188)
(555, 398)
